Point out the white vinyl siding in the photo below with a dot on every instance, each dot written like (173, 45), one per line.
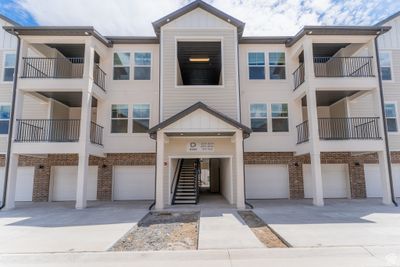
(177, 98)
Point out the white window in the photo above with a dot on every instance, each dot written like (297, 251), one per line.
(280, 120)
(4, 118)
(385, 60)
(258, 117)
(9, 67)
(256, 65)
(140, 118)
(122, 63)
(142, 66)
(119, 118)
(391, 117)
(277, 69)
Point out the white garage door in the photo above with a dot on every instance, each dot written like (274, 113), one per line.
(373, 180)
(267, 181)
(65, 181)
(24, 188)
(133, 182)
(334, 180)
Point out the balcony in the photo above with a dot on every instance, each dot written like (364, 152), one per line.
(43, 68)
(55, 130)
(337, 67)
(298, 76)
(99, 77)
(355, 128)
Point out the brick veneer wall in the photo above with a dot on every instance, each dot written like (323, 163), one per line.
(105, 168)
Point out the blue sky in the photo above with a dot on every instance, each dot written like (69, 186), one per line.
(134, 17)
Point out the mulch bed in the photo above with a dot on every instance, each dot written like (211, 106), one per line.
(162, 231)
(262, 231)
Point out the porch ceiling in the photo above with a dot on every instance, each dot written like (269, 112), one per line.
(71, 99)
(327, 98)
(201, 134)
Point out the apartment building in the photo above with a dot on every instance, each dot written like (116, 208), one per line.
(198, 109)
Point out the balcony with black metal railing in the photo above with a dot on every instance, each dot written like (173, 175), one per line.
(55, 131)
(343, 67)
(352, 128)
(38, 68)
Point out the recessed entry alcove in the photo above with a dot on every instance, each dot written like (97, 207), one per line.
(199, 63)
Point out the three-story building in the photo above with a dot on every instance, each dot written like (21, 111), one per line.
(197, 108)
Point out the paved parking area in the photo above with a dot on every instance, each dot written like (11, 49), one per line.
(364, 222)
(58, 227)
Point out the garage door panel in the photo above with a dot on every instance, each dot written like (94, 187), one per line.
(334, 180)
(373, 181)
(265, 181)
(133, 182)
(65, 182)
(24, 187)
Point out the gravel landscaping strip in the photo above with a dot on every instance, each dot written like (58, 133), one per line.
(262, 231)
(162, 231)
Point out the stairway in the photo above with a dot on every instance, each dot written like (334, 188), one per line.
(186, 189)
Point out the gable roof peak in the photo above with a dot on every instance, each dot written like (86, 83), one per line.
(192, 6)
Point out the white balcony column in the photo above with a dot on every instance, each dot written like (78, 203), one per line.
(11, 182)
(84, 134)
(23, 52)
(12, 173)
(384, 174)
(239, 161)
(89, 59)
(160, 171)
(315, 154)
(308, 59)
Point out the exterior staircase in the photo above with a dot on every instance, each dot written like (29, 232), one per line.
(186, 190)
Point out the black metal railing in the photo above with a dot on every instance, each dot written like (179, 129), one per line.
(357, 128)
(36, 67)
(302, 132)
(99, 77)
(198, 179)
(348, 128)
(47, 130)
(298, 76)
(343, 67)
(55, 130)
(96, 133)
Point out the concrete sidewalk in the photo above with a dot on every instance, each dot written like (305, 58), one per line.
(225, 229)
(344, 256)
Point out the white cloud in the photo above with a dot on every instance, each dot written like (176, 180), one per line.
(262, 17)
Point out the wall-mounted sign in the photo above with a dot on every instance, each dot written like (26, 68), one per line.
(200, 147)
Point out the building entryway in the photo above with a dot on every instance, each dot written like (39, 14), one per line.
(202, 180)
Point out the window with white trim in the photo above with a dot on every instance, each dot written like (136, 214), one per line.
(280, 117)
(256, 65)
(258, 117)
(119, 118)
(142, 69)
(9, 67)
(4, 118)
(391, 117)
(140, 118)
(122, 66)
(385, 61)
(277, 68)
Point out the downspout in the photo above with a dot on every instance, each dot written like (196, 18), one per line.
(11, 124)
(389, 162)
(159, 120)
(240, 120)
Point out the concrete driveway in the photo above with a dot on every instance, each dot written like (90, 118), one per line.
(58, 227)
(363, 222)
